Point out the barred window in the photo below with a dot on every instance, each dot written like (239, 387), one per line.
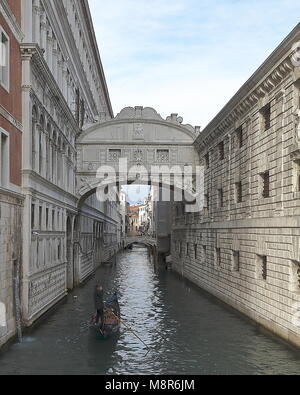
(262, 267)
(114, 155)
(236, 261)
(266, 116)
(265, 184)
(196, 250)
(206, 203)
(238, 192)
(163, 156)
(239, 137)
(220, 198)
(204, 253)
(221, 150)
(207, 160)
(218, 256)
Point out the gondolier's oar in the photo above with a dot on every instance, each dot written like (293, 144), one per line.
(132, 331)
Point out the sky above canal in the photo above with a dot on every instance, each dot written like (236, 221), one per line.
(136, 193)
(186, 56)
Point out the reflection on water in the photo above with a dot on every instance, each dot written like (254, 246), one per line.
(187, 332)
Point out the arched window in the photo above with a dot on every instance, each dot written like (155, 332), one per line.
(42, 127)
(59, 161)
(33, 137)
(54, 137)
(48, 150)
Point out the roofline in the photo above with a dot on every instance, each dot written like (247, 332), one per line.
(86, 9)
(283, 48)
(120, 121)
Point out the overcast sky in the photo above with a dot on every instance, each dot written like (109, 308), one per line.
(186, 56)
(136, 193)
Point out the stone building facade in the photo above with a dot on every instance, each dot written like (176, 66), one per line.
(244, 247)
(63, 89)
(11, 200)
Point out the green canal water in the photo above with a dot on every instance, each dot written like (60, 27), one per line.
(187, 332)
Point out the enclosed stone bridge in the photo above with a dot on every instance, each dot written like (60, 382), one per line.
(142, 139)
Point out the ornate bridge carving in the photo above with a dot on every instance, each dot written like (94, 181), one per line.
(138, 135)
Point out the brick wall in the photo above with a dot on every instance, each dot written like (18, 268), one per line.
(11, 100)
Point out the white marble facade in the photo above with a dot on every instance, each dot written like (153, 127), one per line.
(63, 89)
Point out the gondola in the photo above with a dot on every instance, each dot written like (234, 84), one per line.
(111, 320)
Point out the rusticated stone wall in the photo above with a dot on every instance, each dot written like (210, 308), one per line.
(244, 247)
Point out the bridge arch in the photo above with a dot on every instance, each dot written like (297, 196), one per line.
(149, 242)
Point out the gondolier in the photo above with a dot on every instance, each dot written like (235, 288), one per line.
(108, 312)
(99, 305)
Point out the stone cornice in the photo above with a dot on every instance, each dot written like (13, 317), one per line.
(87, 210)
(285, 221)
(10, 193)
(35, 176)
(11, 20)
(34, 52)
(267, 78)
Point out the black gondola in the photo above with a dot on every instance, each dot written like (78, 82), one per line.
(111, 319)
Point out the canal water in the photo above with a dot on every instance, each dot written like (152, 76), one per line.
(187, 332)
